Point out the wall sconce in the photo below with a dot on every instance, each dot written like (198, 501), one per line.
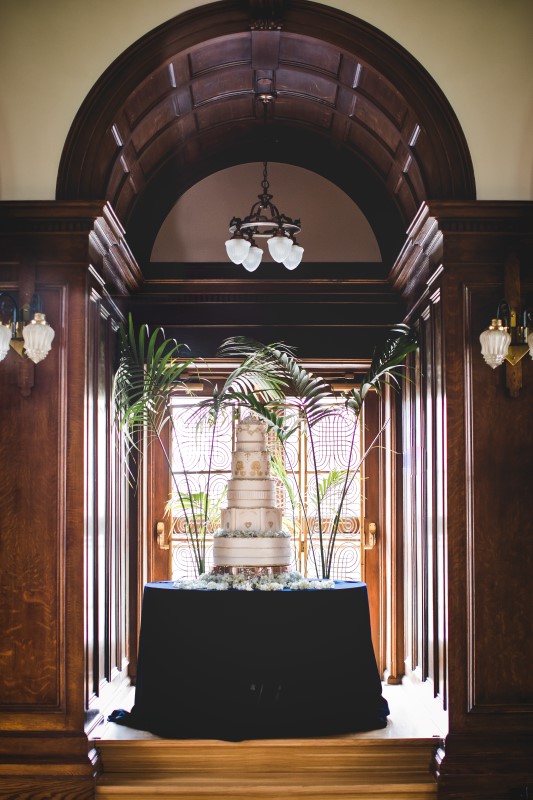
(31, 336)
(509, 337)
(505, 339)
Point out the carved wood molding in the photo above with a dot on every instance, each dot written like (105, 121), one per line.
(437, 224)
(47, 216)
(109, 251)
(95, 225)
(421, 252)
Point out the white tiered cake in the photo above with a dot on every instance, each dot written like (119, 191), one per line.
(250, 537)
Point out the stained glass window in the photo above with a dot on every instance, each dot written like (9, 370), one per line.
(201, 464)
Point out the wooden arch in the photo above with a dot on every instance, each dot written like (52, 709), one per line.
(350, 103)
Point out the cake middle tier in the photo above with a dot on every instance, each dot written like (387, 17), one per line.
(256, 519)
(250, 464)
(263, 552)
(243, 493)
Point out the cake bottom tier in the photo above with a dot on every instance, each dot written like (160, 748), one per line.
(253, 552)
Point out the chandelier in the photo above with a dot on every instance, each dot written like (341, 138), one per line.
(264, 222)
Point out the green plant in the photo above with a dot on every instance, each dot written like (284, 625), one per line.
(205, 508)
(271, 383)
(307, 401)
(149, 372)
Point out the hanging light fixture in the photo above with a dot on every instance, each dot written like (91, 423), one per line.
(30, 336)
(264, 222)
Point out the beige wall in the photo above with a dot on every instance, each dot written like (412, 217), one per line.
(478, 51)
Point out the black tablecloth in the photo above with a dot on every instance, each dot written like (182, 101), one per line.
(240, 665)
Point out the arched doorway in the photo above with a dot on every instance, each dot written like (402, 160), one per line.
(348, 103)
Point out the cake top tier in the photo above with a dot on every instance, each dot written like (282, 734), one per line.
(252, 431)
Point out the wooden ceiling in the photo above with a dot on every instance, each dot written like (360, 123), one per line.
(184, 101)
(349, 103)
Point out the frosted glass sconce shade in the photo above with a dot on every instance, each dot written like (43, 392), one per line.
(38, 337)
(5, 338)
(495, 343)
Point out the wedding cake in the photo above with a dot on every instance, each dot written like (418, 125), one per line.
(251, 536)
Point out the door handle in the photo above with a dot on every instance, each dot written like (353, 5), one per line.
(162, 539)
(370, 536)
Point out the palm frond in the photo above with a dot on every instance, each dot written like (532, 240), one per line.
(386, 365)
(327, 487)
(149, 369)
(148, 372)
(399, 343)
(310, 395)
(280, 472)
(201, 502)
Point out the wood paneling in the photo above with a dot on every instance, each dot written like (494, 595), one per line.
(467, 518)
(340, 316)
(32, 530)
(107, 517)
(499, 437)
(424, 503)
(391, 515)
(58, 251)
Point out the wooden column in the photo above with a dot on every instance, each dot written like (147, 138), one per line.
(68, 253)
(470, 608)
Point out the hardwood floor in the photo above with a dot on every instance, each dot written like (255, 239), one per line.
(386, 764)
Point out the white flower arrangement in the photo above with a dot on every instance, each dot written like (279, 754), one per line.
(246, 583)
(221, 533)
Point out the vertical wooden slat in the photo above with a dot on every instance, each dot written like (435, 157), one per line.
(106, 645)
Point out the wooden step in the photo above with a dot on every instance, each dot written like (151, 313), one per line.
(155, 786)
(307, 769)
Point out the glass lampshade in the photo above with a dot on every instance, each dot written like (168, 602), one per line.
(5, 338)
(279, 247)
(294, 258)
(237, 249)
(495, 343)
(253, 259)
(38, 337)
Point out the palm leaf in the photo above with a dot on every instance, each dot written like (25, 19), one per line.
(305, 393)
(147, 374)
(327, 487)
(384, 368)
(201, 502)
